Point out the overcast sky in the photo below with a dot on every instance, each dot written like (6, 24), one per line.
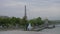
(35, 8)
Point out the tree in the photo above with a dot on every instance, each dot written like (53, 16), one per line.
(36, 21)
(13, 21)
(18, 21)
(39, 21)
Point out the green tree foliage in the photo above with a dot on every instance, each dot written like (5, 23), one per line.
(24, 21)
(39, 21)
(9, 21)
(12, 21)
(36, 21)
(4, 22)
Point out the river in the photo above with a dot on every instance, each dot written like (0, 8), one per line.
(45, 31)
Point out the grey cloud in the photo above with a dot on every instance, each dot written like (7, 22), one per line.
(36, 8)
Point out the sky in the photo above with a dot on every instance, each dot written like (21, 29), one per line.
(35, 8)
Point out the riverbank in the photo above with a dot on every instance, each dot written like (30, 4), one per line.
(45, 31)
(18, 32)
(12, 29)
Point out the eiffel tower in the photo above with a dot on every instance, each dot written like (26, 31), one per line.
(25, 18)
(25, 13)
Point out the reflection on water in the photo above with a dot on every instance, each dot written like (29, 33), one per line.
(45, 31)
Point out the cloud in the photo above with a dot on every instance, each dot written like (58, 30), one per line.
(35, 8)
(52, 11)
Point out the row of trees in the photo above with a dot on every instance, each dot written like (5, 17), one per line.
(9, 21)
(13, 21)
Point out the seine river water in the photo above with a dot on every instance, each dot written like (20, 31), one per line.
(45, 31)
